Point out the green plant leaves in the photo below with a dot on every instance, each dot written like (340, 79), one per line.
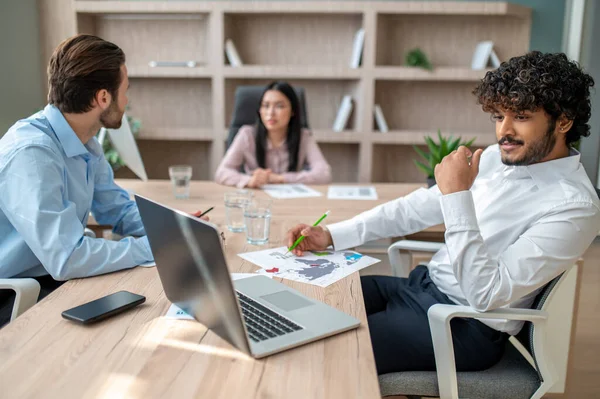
(437, 151)
(417, 58)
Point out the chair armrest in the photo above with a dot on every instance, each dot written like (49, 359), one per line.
(439, 322)
(89, 232)
(27, 291)
(400, 266)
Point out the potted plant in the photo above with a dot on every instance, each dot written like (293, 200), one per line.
(437, 152)
(417, 58)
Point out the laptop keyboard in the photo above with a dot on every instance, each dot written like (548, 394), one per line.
(262, 323)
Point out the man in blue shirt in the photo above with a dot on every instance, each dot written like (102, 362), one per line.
(53, 173)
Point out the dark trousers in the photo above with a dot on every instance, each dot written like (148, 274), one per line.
(7, 297)
(399, 327)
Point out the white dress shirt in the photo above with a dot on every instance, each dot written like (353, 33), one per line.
(516, 229)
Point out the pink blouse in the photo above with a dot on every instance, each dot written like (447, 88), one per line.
(242, 152)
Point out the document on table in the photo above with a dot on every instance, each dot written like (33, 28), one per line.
(320, 268)
(148, 264)
(352, 192)
(290, 191)
(175, 312)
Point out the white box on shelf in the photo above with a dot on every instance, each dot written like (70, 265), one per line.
(232, 55)
(343, 114)
(481, 56)
(494, 60)
(357, 48)
(380, 119)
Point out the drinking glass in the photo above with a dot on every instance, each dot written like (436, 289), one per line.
(257, 216)
(180, 178)
(235, 203)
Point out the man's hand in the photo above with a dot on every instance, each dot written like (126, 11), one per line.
(198, 213)
(457, 172)
(274, 178)
(316, 238)
(260, 177)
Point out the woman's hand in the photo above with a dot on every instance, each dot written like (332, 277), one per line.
(260, 177)
(274, 178)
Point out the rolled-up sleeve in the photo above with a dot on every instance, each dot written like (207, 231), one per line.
(112, 205)
(33, 197)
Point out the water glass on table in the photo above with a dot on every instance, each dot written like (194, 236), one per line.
(180, 178)
(235, 203)
(257, 216)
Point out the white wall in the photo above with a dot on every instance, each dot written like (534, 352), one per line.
(21, 85)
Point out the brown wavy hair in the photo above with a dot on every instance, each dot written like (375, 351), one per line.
(540, 80)
(80, 67)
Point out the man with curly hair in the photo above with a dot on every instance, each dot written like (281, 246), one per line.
(517, 215)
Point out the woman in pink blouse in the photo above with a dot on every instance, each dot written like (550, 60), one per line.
(276, 150)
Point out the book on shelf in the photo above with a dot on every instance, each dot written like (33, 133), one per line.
(341, 119)
(232, 55)
(484, 55)
(357, 48)
(380, 119)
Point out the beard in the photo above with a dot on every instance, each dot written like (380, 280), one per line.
(111, 118)
(535, 151)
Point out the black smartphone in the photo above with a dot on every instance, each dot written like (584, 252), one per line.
(104, 307)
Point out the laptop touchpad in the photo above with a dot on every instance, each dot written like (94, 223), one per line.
(287, 300)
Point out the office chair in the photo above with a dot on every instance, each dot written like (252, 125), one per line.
(27, 290)
(534, 363)
(245, 108)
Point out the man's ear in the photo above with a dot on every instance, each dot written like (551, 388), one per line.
(563, 124)
(103, 99)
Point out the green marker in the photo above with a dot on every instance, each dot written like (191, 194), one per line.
(299, 240)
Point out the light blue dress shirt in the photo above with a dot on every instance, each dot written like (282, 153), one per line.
(49, 183)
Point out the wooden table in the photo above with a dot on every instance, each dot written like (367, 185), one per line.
(142, 354)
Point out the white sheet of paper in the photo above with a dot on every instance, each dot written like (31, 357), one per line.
(148, 264)
(290, 191)
(318, 268)
(175, 312)
(352, 192)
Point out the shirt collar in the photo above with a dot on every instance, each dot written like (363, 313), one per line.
(550, 171)
(270, 145)
(65, 134)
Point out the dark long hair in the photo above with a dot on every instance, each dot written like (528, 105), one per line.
(293, 131)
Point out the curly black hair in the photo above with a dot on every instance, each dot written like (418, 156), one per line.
(539, 80)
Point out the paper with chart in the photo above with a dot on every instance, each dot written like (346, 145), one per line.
(352, 192)
(318, 268)
(175, 312)
(290, 191)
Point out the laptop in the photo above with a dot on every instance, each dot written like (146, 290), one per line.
(257, 315)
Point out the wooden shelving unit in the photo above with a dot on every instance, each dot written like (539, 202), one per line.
(185, 111)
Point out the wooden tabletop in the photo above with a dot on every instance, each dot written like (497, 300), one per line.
(141, 354)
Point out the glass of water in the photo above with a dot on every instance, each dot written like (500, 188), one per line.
(235, 203)
(180, 178)
(258, 221)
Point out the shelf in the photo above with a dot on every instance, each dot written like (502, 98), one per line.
(415, 137)
(500, 8)
(329, 136)
(109, 7)
(176, 134)
(168, 72)
(340, 7)
(291, 72)
(458, 74)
